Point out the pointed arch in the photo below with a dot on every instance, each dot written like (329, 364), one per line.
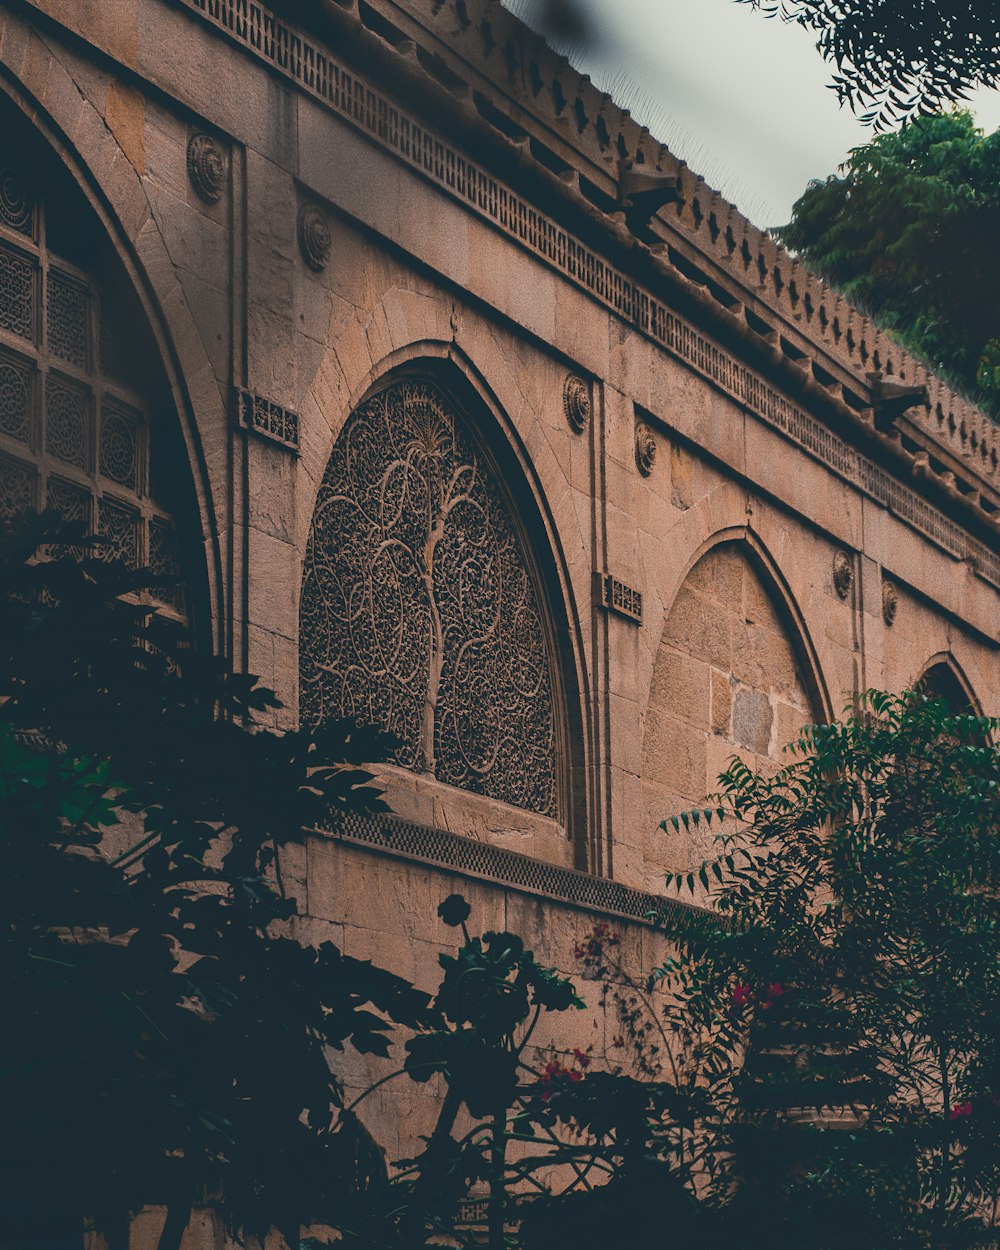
(430, 597)
(734, 673)
(943, 677)
(113, 215)
(762, 560)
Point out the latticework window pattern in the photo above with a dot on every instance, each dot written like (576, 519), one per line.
(73, 436)
(419, 612)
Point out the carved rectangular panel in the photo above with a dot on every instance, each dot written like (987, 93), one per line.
(615, 596)
(267, 419)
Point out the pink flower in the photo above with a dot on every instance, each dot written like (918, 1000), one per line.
(741, 995)
(776, 990)
(960, 1111)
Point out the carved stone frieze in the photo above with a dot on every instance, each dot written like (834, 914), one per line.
(843, 574)
(314, 237)
(576, 402)
(419, 610)
(890, 603)
(206, 166)
(645, 448)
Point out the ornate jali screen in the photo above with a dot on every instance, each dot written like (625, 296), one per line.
(419, 612)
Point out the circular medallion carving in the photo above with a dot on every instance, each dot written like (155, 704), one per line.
(314, 236)
(576, 402)
(15, 206)
(843, 574)
(890, 602)
(206, 165)
(645, 449)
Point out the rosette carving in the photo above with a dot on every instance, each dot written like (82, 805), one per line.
(206, 166)
(843, 574)
(890, 603)
(576, 402)
(645, 448)
(314, 237)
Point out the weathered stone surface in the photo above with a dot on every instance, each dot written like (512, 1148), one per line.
(440, 270)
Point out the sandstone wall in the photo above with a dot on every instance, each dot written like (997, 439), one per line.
(785, 557)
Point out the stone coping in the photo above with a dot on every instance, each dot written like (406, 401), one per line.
(479, 47)
(317, 70)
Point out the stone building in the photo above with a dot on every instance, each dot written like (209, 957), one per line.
(466, 408)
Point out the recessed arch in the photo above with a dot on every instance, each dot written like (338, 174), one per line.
(110, 213)
(762, 560)
(733, 673)
(943, 677)
(431, 600)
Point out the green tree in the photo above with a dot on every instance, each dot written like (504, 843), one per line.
(820, 1054)
(165, 1036)
(844, 1008)
(909, 231)
(894, 61)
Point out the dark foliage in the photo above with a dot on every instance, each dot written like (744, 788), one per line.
(165, 1037)
(896, 60)
(909, 232)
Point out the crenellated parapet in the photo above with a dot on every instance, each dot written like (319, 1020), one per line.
(637, 230)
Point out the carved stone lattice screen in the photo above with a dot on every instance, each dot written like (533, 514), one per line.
(74, 433)
(419, 612)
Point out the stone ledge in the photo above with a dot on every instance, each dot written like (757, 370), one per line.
(480, 861)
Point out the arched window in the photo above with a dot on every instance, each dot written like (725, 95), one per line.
(77, 427)
(941, 681)
(420, 611)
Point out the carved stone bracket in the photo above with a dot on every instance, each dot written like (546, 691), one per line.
(890, 603)
(615, 596)
(267, 419)
(206, 166)
(843, 574)
(314, 236)
(576, 402)
(645, 448)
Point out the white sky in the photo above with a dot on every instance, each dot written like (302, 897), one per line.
(741, 98)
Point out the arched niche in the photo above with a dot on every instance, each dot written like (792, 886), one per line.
(942, 678)
(731, 676)
(426, 608)
(86, 425)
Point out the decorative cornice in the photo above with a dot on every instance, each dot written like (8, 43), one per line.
(402, 839)
(481, 38)
(351, 97)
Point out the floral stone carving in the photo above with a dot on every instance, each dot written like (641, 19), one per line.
(843, 574)
(314, 236)
(576, 402)
(890, 603)
(419, 612)
(645, 448)
(206, 165)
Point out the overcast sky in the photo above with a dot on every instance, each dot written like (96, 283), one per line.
(741, 98)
